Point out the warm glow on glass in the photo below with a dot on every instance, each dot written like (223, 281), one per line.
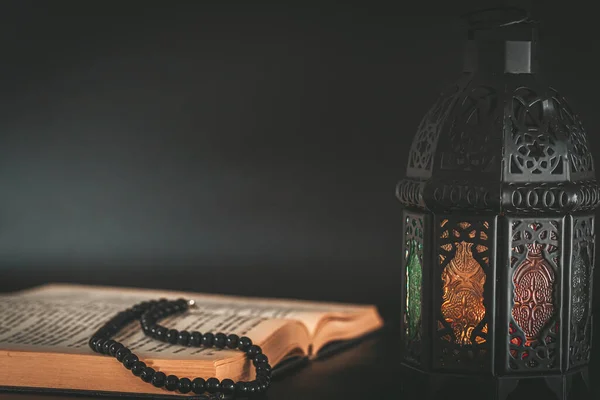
(463, 281)
(533, 293)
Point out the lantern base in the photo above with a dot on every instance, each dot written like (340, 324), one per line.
(440, 385)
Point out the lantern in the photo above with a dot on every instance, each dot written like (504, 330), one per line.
(498, 223)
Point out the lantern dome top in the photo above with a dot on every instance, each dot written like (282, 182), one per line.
(499, 139)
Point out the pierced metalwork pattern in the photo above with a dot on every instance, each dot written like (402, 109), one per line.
(456, 195)
(413, 261)
(545, 140)
(420, 158)
(580, 157)
(410, 192)
(588, 195)
(473, 138)
(534, 328)
(582, 265)
(539, 197)
(536, 143)
(462, 327)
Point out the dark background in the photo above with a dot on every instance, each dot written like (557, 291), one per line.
(231, 147)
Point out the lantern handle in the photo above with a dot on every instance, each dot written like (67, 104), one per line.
(484, 18)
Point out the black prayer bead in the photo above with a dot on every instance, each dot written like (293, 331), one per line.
(266, 367)
(263, 370)
(167, 310)
(161, 333)
(129, 360)
(241, 388)
(137, 368)
(172, 336)
(106, 331)
(252, 387)
(158, 379)
(112, 350)
(184, 385)
(122, 353)
(208, 339)
(92, 342)
(262, 386)
(220, 340)
(148, 313)
(171, 382)
(181, 305)
(101, 333)
(253, 351)
(153, 315)
(99, 344)
(213, 385)
(147, 374)
(227, 386)
(260, 359)
(244, 343)
(198, 385)
(156, 303)
(137, 310)
(232, 341)
(183, 338)
(265, 380)
(259, 387)
(195, 339)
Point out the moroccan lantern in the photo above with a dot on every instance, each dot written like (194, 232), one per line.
(498, 222)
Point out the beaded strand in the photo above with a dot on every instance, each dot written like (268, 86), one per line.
(149, 313)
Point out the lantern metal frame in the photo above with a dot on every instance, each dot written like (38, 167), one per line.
(501, 163)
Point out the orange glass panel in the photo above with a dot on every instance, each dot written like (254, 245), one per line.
(463, 282)
(447, 246)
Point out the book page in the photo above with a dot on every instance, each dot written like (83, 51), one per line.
(309, 313)
(64, 320)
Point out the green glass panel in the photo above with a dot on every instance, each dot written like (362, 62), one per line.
(413, 291)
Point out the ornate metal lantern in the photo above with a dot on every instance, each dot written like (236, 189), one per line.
(498, 221)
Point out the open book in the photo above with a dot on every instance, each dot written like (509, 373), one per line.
(44, 335)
